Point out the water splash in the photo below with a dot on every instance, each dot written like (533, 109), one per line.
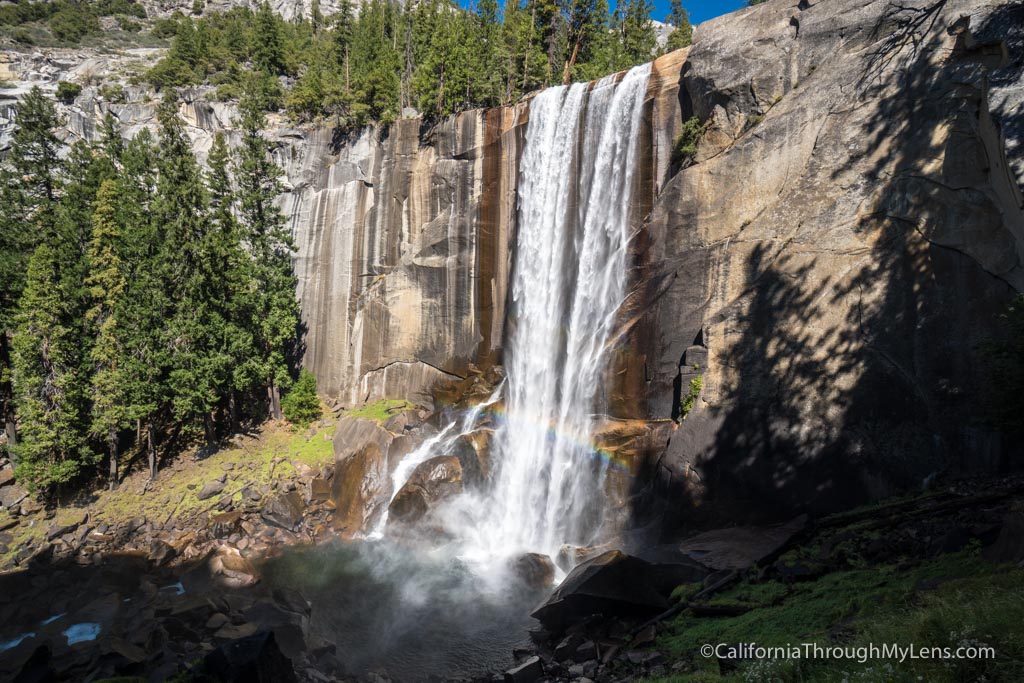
(441, 443)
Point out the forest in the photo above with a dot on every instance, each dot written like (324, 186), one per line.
(372, 62)
(144, 301)
(429, 56)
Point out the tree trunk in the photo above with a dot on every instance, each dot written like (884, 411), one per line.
(567, 72)
(233, 412)
(7, 396)
(211, 429)
(274, 393)
(113, 458)
(151, 451)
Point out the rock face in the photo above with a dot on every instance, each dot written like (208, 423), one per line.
(846, 240)
(403, 251)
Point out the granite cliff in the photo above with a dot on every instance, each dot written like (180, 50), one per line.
(829, 262)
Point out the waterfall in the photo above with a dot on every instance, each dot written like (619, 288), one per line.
(576, 182)
(575, 192)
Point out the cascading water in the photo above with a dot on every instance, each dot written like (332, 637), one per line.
(570, 279)
(570, 275)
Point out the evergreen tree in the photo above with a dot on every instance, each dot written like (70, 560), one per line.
(301, 405)
(146, 304)
(196, 359)
(48, 383)
(106, 285)
(682, 36)
(268, 50)
(274, 309)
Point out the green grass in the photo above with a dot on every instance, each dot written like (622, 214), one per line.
(948, 601)
(273, 456)
(378, 410)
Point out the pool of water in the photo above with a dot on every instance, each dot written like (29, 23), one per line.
(411, 613)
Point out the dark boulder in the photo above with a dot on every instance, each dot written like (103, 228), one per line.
(533, 570)
(284, 510)
(254, 659)
(741, 547)
(527, 672)
(614, 584)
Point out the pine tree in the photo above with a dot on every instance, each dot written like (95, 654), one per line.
(106, 286)
(268, 49)
(146, 304)
(682, 36)
(50, 391)
(274, 309)
(301, 405)
(193, 329)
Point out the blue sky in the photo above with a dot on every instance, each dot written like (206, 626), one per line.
(700, 10)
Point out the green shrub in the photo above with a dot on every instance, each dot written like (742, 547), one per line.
(227, 92)
(686, 142)
(68, 91)
(687, 402)
(114, 93)
(22, 36)
(72, 23)
(301, 405)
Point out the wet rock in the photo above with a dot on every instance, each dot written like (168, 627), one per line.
(160, 553)
(210, 489)
(567, 648)
(431, 482)
(571, 555)
(284, 510)
(585, 651)
(225, 524)
(252, 659)
(614, 584)
(362, 450)
(235, 571)
(319, 489)
(234, 631)
(527, 672)
(738, 548)
(533, 570)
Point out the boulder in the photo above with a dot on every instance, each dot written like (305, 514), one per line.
(57, 529)
(210, 489)
(284, 510)
(527, 672)
(12, 495)
(741, 547)
(1009, 545)
(362, 473)
(431, 482)
(234, 570)
(533, 570)
(319, 489)
(252, 659)
(225, 524)
(160, 553)
(6, 476)
(614, 584)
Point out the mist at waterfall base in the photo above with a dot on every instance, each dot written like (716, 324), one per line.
(442, 600)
